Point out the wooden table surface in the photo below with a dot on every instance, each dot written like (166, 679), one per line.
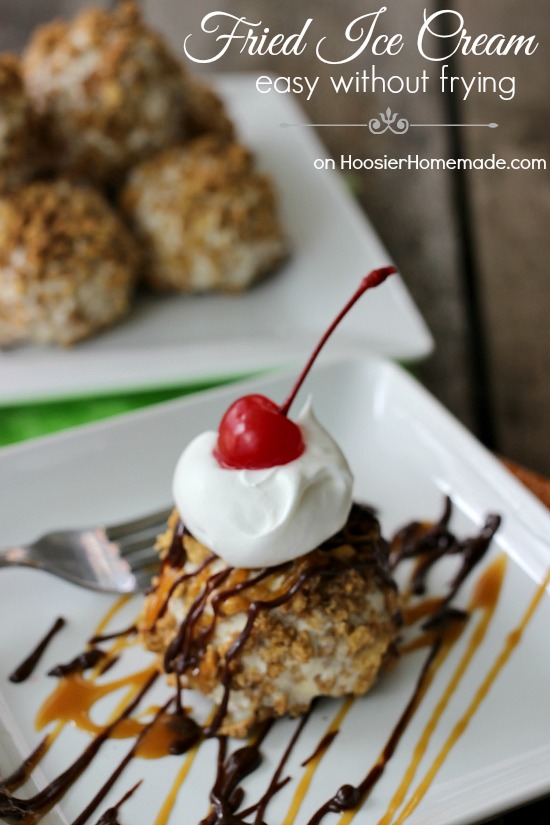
(473, 246)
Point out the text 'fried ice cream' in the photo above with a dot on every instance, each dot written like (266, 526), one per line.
(260, 518)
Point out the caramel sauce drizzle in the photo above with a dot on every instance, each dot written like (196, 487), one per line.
(485, 597)
(106, 787)
(429, 543)
(223, 592)
(110, 614)
(74, 697)
(29, 811)
(277, 783)
(172, 730)
(171, 798)
(422, 609)
(168, 583)
(510, 644)
(349, 797)
(312, 762)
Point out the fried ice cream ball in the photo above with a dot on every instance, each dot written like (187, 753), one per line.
(330, 628)
(16, 162)
(109, 90)
(67, 264)
(205, 112)
(207, 219)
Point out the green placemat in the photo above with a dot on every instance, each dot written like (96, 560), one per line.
(20, 422)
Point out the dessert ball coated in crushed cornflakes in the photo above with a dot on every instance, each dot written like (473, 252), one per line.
(16, 161)
(206, 217)
(68, 265)
(321, 625)
(108, 88)
(205, 112)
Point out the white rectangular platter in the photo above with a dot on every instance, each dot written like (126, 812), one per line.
(406, 453)
(179, 340)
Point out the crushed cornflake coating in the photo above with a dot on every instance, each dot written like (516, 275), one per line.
(16, 126)
(207, 219)
(89, 101)
(68, 265)
(205, 112)
(331, 638)
(108, 89)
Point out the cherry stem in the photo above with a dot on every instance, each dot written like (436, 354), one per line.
(374, 278)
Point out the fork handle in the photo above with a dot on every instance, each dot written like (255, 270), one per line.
(17, 556)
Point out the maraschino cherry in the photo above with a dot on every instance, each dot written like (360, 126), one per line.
(255, 433)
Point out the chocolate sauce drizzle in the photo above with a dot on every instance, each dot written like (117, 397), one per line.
(189, 644)
(104, 790)
(322, 747)
(349, 796)
(29, 811)
(22, 773)
(27, 667)
(84, 661)
(430, 542)
(107, 637)
(180, 580)
(277, 783)
(186, 733)
(226, 796)
(110, 817)
(176, 556)
(426, 543)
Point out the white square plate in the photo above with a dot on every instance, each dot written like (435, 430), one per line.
(173, 341)
(406, 453)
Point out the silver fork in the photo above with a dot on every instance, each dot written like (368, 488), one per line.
(116, 559)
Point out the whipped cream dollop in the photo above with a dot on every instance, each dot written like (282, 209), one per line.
(260, 518)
